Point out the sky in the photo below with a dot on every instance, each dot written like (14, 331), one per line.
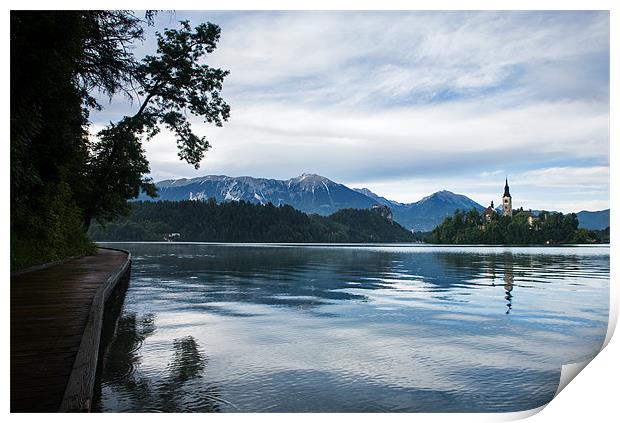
(408, 103)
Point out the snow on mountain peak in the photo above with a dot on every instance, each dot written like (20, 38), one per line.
(312, 193)
(311, 180)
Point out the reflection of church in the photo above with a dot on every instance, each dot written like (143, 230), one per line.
(508, 284)
(508, 277)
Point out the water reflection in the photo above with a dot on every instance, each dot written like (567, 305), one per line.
(508, 284)
(175, 391)
(274, 328)
(301, 279)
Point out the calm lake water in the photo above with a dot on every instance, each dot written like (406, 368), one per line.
(254, 328)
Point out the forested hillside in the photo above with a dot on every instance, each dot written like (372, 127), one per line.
(245, 222)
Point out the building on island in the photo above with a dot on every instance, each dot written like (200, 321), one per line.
(530, 216)
(172, 237)
(489, 212)
(507, 200)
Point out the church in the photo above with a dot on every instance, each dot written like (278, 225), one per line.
(507, 200)
(506, 204)
(507, 208)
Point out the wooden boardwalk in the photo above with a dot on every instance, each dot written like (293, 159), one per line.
(56, 315)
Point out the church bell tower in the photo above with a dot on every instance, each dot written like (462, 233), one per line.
(507, 201)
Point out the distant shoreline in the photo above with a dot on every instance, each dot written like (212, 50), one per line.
(335, 244)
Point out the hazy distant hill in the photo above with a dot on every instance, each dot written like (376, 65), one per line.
(593, 219)
(430, 211)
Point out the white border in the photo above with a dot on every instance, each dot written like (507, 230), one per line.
(592, 396)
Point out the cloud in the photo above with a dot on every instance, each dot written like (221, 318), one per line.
(566, 189)
(445, 138)
(568, 177)
(394, 97)
(400, 54)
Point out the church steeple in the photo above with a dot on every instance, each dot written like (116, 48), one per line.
(507, 200)
(506, 189)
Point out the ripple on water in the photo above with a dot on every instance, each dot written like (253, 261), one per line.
(368, 328)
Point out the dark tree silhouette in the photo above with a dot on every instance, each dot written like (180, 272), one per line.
(169, 83)
(60, 60)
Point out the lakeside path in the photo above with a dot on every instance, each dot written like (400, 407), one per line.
(56, 320)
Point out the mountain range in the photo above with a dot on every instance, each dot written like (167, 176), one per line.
(312, 193)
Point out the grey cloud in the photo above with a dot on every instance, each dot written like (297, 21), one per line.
(397, 95)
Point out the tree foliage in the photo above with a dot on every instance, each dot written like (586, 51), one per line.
(48, 138)
(170, 83)
(61, 61)
(471, 227)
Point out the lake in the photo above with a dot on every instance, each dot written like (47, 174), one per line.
(355, 328)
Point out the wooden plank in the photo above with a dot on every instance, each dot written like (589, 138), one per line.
(56, 314)
(79, 392)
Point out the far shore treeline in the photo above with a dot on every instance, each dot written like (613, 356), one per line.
(241, 221)
(208, 221)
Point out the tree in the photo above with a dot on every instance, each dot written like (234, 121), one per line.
(48, 138)
(551, 228)
(60, 178)
(170, 83)
(246, 222)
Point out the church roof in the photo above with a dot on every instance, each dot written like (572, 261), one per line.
(506, 189)
(489, 210)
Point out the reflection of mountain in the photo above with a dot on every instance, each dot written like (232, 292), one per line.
(296, 277)
(391, 315)
(211, 278)
(178, 389)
